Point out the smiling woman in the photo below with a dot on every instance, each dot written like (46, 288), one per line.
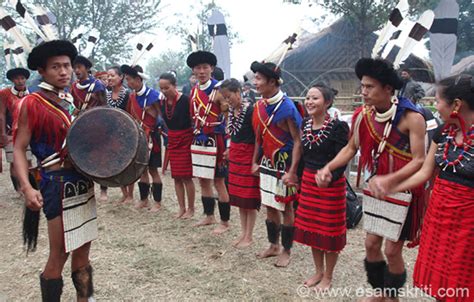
(320, 220)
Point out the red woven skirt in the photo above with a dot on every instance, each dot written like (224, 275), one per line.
(444, 267)
(179, 146)
(244, 189)
(320, 220)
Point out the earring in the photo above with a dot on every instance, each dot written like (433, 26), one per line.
(454, 114)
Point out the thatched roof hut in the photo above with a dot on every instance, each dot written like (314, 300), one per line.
(330, 56)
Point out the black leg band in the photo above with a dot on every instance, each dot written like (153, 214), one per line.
(273, 231)
(82, 279)
(157, 189)
(287, 232)
(224, 211)
(144, 189)
(51, 289)
(208, 203)
(375, 273)
(393, 283)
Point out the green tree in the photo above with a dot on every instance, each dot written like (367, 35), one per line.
(169, 61)
(465, 45)
(117, 21)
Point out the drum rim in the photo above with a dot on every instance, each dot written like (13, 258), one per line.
(122, 112)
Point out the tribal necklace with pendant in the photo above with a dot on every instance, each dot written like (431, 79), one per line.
(118, 103)
(311, 139)
(236, 122)
(19, 93)
(466, 146)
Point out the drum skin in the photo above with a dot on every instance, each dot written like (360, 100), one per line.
(107, 145)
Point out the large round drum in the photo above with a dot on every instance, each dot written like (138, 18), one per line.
(107, 145)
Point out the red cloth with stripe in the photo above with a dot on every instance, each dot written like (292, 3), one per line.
(320, 220)
(446, 255)
(244, 189)
(179, 147)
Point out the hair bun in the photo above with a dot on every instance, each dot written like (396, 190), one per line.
(334, 91)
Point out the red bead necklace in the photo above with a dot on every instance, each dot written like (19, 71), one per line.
(170, 111)
(309, 138)
(465, 145)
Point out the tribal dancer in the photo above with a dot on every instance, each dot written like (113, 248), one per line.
(446, 254)
(144, 106)
(244, 191)
(276, 122)
(88, 92)
(9, 99)
(320, 220)
(392, 154)
(103, 76)
(180, 137)
(207, 109)
(67, 197)
(117, 97)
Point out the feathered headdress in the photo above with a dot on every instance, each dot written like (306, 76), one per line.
(9, 25)
(43, 18)
(92, 39)
(417, 32)
(141, 49)
(396, 18)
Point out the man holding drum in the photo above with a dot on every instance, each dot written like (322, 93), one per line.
(144, 106)
(207, 150)
(389, 132)
(67, 197)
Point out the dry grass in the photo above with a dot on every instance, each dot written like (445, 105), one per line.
(147, 257)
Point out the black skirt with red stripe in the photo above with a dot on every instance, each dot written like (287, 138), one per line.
(320, 220)
(244, 189)
(179, 146)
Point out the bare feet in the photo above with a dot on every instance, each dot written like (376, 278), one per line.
(103, 196)
(180, 213)
(315, 279)
(128, 200)
(272, 251)
(155, 207)
(221, 228)
(237, 241)
(324, 285)
(141, 204)
(188, 214)
(208, 220)
(244, 243)
(283, 259)
(122, 200)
